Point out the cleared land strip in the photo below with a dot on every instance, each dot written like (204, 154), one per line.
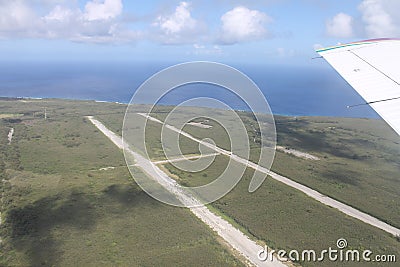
(234, 237)
(346, 209)
(10, 135)
(185, 158)
(297, 153)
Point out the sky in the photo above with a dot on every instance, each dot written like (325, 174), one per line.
(263, 31)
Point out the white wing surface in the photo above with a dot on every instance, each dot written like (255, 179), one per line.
(372, 68)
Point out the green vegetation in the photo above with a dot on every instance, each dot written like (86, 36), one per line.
(358, 158)
(358, 165)
(60, 209)
(285, 218)
(359, 161)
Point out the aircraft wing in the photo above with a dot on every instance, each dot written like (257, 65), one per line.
(372, 68)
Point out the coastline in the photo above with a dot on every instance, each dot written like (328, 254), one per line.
(276, 114)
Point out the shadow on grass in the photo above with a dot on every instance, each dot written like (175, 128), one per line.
(298, 135)
(126, 195)
(342, 176)
(31, 225)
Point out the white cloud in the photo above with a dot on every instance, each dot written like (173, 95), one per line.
(177, 22)
(340, 26)
(207, 50)
(377, 17)
(178, 27)
(242, 24)
(15, 16)
(59, 13)
(96, 23)
(102, 10)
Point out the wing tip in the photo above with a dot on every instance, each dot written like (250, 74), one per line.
(357, 43)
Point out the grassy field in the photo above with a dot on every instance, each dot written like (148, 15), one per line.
(358, 158)
(358, 165)
(286, 219)
(60, 209)
(359, 161)
(56, 196)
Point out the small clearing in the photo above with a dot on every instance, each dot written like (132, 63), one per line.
(7, 116)
(200, 125)
(106, 168)
(10, 135)
(297, 153)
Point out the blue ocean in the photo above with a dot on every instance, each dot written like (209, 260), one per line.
(312, 90)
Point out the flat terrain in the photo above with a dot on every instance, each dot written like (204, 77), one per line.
(233, 236)
(358, 158)
(286, 218)
(62, 208)
(328, 201)
(56, 196)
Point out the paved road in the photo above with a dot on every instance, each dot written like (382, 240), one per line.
(235, 238)
(346, 209)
